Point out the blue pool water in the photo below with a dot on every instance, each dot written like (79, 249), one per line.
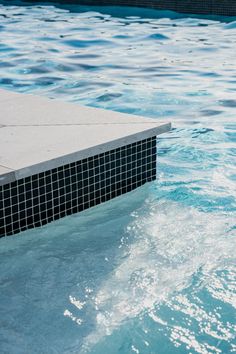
(153, 271)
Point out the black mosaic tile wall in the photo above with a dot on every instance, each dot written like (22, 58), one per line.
(50, 195)
(214, 7)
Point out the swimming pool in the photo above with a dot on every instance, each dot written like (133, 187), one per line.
(153, 271)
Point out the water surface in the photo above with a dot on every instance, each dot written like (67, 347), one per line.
(153, 271)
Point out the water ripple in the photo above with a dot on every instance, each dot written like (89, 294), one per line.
(154, 271)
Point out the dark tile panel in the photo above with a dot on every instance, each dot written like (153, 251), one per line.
(50, 195)
(214, 7)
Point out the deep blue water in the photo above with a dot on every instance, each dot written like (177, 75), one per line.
(153, 271)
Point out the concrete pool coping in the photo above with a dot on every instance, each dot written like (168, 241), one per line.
(38, 133)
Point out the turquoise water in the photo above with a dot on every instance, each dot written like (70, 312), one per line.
(153, 271)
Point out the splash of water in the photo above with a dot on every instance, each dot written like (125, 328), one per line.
(170, 244)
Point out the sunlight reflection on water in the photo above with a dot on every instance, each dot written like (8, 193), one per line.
(153, 271)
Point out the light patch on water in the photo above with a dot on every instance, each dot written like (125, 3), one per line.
(224, 289)
(157, 319)
(170, 244)
(69, 314)
(181, 335)
(209, 322)
(79, 304)
(134, 349)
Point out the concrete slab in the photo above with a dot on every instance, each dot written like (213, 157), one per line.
(37, 133)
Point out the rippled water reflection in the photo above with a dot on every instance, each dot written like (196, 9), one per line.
(154, 272)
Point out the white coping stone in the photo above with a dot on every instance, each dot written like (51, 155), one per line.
(38, 133)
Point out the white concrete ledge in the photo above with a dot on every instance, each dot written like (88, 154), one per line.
(38, 134)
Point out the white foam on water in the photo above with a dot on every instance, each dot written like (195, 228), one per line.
(170, 242)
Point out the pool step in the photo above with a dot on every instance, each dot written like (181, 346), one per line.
(59, 158)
